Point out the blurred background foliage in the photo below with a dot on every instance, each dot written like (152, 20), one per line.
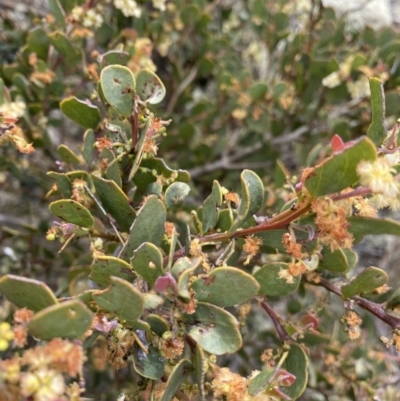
(250, 84)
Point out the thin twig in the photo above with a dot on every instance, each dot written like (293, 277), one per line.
(372, 307)
(283, 335)
(181, 88)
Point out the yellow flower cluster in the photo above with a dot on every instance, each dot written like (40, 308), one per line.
(378, 176)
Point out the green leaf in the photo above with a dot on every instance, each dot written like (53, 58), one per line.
(351, 257)
(149, 87)
(118, 85)
(57, 11)
(62, 44)
(210, 212)
(114, 202)
(339, 170)
(216, 330)
(89, 139)
(296, 363)
(147, 227)
(183, 264)
(335, 261)
(27, 293)
(22, 83)
(200, 366)
(273, 239)
(104, 267)
(258, 91)
(63, 183)
(252, 198)
(148, 365)
(67, 155)
(81, 112)
(145, 176)
(360, 226)
(157, 324)
(121, 298)
(114, 57)
(270, 283)
(393, 303)
(257, 383)
(147, 261)
(377, 130)
(180, 373)
(175, 194)
(225, 220)
(112, 171)
(216, 287)
(183, 280)
(70, 320)
(38, 42)
(366, 281)
(72, 212)
(152, 301)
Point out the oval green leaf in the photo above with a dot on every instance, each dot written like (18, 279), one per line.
(252, 198)
(377, 130)
(114, 57)
(157, 324)
(89, 139)
(147, 227)
(149, 365)
(339, 170)
(70, 320)
(175, 194)
(104, 267)
(180, 373)
(210, 211)
(367, 281)
(149, 87)
(63, 45)
(147, 261)
(270, 282)
(81, 112)
(360, 226)
(27, 293)
(216, 330)
(335, 261)
(296, 363)
(200, 366)
(118, 85)
(72, 212)
(63, 183)
(67, 155)
(121, 298)
(216, 287)
(114, 202)
(112, 171)
(257, 383)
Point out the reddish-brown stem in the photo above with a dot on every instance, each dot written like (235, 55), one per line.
(360, 191)
(284, 337)
(370, 306)
(281, 221)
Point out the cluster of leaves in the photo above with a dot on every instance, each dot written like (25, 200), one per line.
(165, 290)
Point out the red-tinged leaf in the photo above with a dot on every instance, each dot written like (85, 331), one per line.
(309, 321)
(337, 143)
(284, 378)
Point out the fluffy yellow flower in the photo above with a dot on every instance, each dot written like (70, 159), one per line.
(378, 176)
(6, 335)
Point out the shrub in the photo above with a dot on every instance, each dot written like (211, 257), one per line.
(164, 275)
